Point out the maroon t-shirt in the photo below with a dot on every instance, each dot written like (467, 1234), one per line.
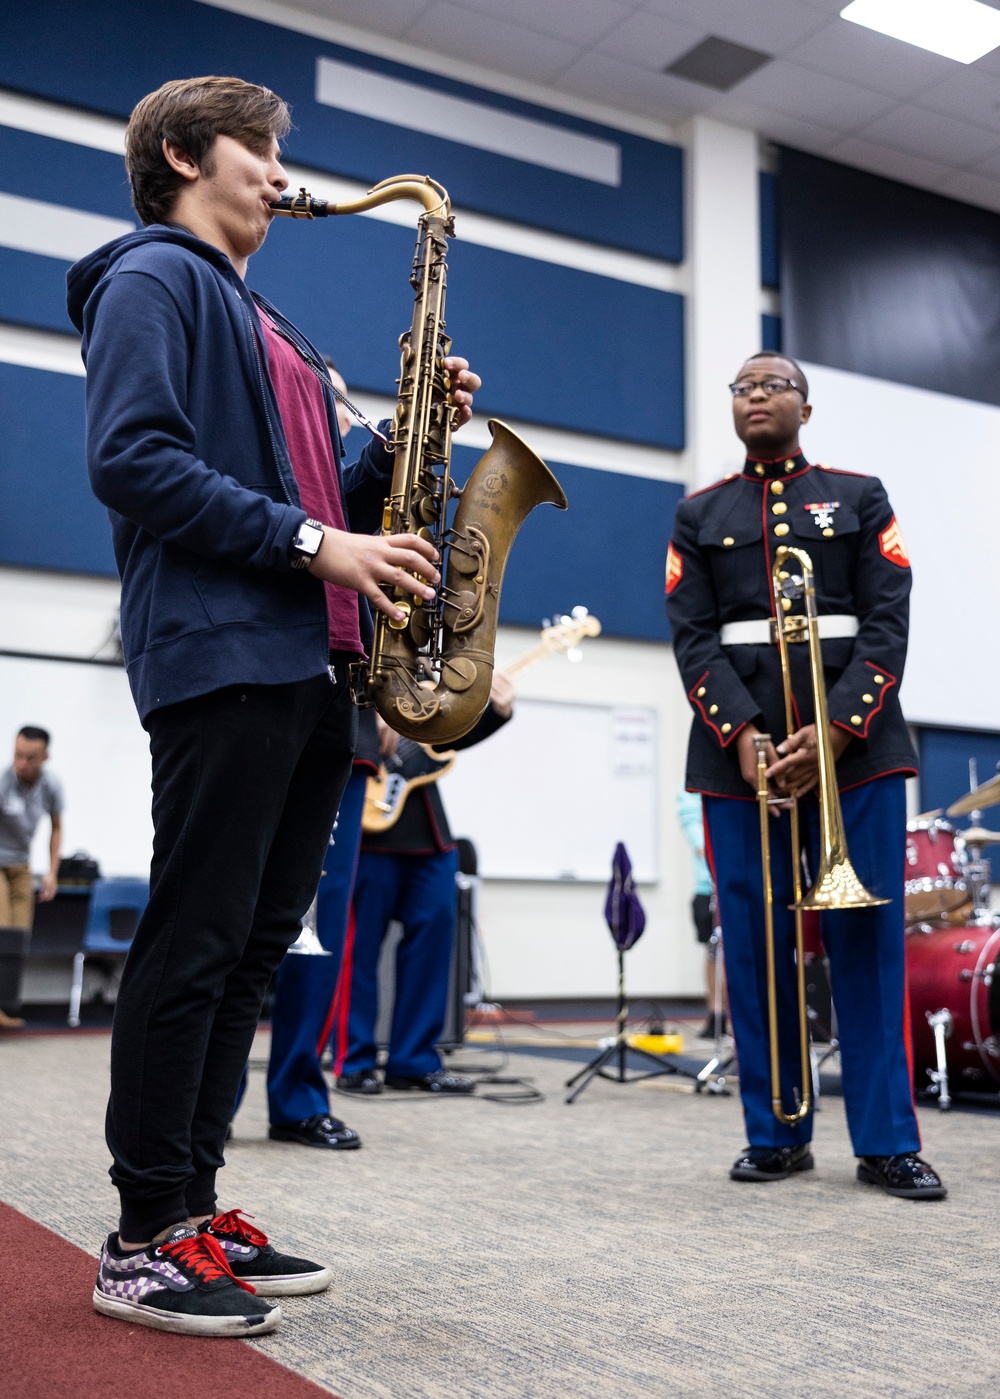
(307, 432)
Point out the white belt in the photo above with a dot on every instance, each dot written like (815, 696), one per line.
(831, 626)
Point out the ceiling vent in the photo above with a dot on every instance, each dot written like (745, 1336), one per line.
(718, 63)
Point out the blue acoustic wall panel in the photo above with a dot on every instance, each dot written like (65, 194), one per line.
(770, 242)
(606, 552)
(944, 765)
(120, 52)
(48, 515)
(770, 332)
(553, 345)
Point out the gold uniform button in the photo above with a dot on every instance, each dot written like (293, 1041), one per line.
(828, 533)
(779, 508)
(713, 709)
(728, 542)
(781, 530)
(701, 692)
(868, 699)
(855, 718)
(789, 466)
(759, 469)
(880, 680)
(786, 604)
(777, 487)
(726, 728)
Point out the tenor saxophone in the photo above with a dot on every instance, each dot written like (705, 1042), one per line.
(429, 674)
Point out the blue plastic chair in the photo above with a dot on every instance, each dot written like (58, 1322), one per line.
(115, 908)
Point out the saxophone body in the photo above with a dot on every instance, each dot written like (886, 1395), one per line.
(429, 675)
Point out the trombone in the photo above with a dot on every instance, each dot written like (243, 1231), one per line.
(837, 886)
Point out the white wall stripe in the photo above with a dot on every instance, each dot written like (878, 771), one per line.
(60, 354)
(420, 108)
(41, 349)
(62, 123)
(31, 226)
(99, 133)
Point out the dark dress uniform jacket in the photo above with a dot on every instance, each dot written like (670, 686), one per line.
(719, 571)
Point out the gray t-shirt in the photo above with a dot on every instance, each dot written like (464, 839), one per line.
(21, 809)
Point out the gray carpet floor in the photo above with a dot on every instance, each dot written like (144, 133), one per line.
(550, 1252)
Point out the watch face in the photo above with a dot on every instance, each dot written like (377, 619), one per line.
(309, 539)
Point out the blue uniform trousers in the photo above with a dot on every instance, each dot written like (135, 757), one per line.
(867, 969)
(304, 986)
(419, 892)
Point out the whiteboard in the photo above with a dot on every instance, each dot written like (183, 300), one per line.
(551, 794)
(937, 457)
(99, 752)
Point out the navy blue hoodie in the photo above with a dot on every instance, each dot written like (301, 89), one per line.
(186, 449)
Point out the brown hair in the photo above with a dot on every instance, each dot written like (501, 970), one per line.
(190, 113)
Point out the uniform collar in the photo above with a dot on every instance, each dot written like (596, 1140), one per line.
(766, 469)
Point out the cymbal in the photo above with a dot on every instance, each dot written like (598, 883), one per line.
(986, 794)
(979, 835)
(926, 815)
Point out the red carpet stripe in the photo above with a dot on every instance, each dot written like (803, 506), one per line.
(53, 1345)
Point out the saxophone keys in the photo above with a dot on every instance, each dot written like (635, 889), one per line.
(458, 673)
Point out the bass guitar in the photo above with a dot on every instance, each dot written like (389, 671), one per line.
(416, 764)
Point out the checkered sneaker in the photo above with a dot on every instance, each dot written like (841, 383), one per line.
(253, 1260)
(183, 1285)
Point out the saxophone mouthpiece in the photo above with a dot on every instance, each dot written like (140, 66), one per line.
(301, 206)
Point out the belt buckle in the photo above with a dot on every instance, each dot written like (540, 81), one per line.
(795, 628)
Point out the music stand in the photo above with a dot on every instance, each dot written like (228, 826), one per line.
(626, 919)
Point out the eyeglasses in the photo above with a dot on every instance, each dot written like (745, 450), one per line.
(743, 388)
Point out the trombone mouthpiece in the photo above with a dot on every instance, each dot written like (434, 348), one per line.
(760, 742)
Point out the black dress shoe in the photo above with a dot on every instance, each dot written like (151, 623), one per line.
(321, 1130)
(437, 1082)
(771, 1162)
(904, 1175)
(365, 1081)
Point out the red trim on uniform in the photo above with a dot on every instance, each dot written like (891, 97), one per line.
(341, 1006)
(908, 1046)
(723, 481)
(675, 568)
(889, 772)
(724, 739)
(367, 765)
(766, 480)
(883, 690)
(838, 471)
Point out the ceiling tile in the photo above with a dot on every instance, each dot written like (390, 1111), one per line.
(967, 95)
(387, 17)
(931, 135)
(974, 189)
(893, 164)
(874, 60)
(578, 23)
(492, 42)
(650, 41)
(772, 25)
(604, 79)
(817, 97)
(776, 126)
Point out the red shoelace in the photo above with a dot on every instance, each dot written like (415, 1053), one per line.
(203, 1256)
(235, 1222)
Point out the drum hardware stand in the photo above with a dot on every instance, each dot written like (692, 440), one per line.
(940, 1022)
(712, 1076)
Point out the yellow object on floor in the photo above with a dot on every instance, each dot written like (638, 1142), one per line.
(658, 1044)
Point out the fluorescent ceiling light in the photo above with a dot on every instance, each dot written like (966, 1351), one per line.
(960, 29)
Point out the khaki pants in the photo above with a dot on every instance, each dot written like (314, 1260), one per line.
(17, 897)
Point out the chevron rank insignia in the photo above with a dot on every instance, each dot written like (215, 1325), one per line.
(891, 546)
(675, 568)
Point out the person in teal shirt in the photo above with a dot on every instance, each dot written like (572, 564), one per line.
(689, 814)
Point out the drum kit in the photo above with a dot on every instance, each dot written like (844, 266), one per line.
(953, 950)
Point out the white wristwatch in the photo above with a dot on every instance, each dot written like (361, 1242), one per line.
(305, 545)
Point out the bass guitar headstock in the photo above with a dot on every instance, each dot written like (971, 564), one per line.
(565, 633)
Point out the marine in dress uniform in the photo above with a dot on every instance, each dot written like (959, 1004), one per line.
(720, 605)
(407, 873)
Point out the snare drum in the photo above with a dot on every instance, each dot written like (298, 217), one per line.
(955, 969)
(935, 870)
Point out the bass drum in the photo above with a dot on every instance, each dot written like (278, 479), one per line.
(935, 870)
(955, 969)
